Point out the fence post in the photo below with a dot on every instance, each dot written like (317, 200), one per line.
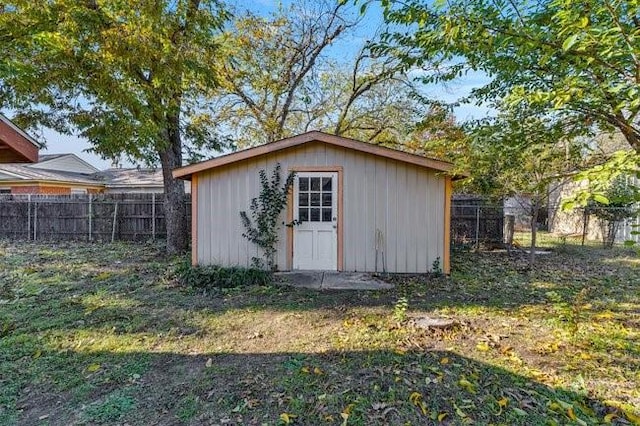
(29, 216)
(35, 221)
(477, 227)
(153, 216)
(113, 228)
(90, 216)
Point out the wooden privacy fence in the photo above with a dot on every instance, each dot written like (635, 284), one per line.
(102, 217)
(140, 217)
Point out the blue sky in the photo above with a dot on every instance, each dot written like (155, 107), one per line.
(344, 50)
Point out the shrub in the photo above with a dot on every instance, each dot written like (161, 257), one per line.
(212, 276)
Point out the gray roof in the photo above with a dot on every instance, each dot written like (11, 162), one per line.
(47, 157)
(25, 172)
(131, 177)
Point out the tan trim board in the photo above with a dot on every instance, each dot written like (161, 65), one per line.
(194, 220)
(289, 242)
(446, 261)
(335, 169)
(340, 220)
(313, 136)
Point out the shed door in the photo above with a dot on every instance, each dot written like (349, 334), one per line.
(315, 236)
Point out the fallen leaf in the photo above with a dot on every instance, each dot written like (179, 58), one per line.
(415, 397)
(467, 385)
(444, 360)
(482, 346)
(442, 416)
(209, 363)
(92, 368)
(502, 402)
(317, 371)
(287, 418)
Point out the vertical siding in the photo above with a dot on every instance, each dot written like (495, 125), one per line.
(404, 202)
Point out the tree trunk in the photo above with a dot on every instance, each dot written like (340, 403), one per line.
(534, 234)
(174, 203)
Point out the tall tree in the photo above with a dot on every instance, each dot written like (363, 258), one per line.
(269, 60)
(281, 80)
(129, 76)
(582, 58)
(369, 99)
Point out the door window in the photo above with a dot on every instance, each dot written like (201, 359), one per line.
(315, 199)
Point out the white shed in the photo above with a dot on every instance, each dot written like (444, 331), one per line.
(354, 202)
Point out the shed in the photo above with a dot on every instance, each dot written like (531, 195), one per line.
(359, 207)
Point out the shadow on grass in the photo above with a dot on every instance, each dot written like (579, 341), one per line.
(374, 387)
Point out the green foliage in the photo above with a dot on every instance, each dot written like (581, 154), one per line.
(262, 227)
(126, 75)
(436, 268)
(400, 309)
(617, 204)
(214, 277)
(112, 408)
(578, 59)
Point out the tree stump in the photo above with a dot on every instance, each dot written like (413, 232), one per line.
(433, 323)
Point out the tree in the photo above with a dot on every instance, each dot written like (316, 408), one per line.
(620, 204)
(130, 76)
(282, 81)
(579, 58)
(523, 152)
(269, 61)
(370, 100)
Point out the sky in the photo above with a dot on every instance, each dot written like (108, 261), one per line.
(343, 50)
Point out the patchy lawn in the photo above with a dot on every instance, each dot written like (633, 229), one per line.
(93, 334)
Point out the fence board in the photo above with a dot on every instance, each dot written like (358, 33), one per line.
(140, 217)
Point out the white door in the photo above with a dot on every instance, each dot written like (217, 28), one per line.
(315, 214)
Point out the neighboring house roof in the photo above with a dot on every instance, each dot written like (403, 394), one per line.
(313, 136)
(13, 173)
(141, 178)
(64, 163)
(16, 146)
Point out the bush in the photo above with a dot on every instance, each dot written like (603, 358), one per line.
(212, 276)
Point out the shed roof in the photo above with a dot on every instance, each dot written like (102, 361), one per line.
(313, 136)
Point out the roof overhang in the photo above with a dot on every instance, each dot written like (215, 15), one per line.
(16, 146)
(313, 136)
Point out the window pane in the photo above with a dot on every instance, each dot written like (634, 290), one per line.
(315, 198)
(315, 215)
(326, 184)
(303, 215)
(315, 184)
(303, 199)
(304, 184)
(326, 199)
(326, 215)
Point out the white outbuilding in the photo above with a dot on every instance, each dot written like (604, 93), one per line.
(357, 206)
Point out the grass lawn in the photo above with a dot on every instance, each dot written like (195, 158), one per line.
(103, 334)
